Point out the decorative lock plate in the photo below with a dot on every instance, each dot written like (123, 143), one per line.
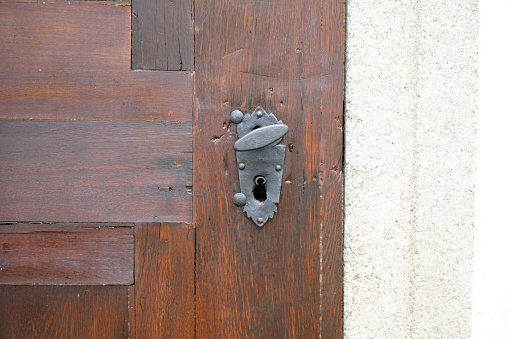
(260, 163)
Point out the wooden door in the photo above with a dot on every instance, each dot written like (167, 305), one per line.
(117, 169)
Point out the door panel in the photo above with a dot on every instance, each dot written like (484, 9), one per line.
(71, 60)
(85, 139)
(281, 280)
(163, 35)
(74, 254)
(164, 290)
(84, 142)
(95, 171)
(63, 312)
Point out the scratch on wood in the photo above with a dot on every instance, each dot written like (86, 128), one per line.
(311, 77)
(233, 53)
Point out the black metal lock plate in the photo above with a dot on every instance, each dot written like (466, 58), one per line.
(260, 162)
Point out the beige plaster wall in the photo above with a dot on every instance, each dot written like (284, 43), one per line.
(411, 95)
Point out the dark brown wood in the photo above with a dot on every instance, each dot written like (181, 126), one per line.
(95, 171)
(163, 37)
(132, 311)
(282, 280)
(72, 60)
(63, 312)
(164, 281)
(101, 2)
(74, 254)
(331, 164)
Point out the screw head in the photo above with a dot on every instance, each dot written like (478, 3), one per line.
(278, 168)
(239, 199)
(259, 220)
(242, 166)
(259, 114)
(236, 116)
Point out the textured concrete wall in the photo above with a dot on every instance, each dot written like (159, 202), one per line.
(411, 93)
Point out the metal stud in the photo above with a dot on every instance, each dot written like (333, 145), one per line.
(236, 116)
(239, 199)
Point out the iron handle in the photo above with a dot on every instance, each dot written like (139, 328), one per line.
(260, 161)
(260, 137)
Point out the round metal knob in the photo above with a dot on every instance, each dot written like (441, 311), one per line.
(236, 116)
(239, 199)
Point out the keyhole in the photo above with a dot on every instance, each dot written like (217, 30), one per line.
(259, 191)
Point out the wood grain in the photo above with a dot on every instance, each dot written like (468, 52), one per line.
(101, 2)
(63, 312)
(72, 60)
(164, 302)
(132, 311)
(73, 254)
(331, 164)
(162, 35)
(95, 171)
(282, 280)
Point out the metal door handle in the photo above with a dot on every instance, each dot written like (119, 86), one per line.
(260, 137)
(260, 162)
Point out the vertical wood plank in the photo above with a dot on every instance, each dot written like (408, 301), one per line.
(164, 281)
(162, 35)
(132, 311)
(331, 163)
(282, 280)
(63, 312)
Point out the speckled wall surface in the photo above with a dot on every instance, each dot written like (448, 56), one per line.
(411, 97)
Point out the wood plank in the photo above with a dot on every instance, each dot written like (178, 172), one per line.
(63, 312)
(282, 280)
(95, 171)
(164, 281)
(102, 2)
(163, 35)
(72, 254)
(132, 311)
(331, 162)
(72, 60)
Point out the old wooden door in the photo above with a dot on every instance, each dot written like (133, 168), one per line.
(117, 169)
